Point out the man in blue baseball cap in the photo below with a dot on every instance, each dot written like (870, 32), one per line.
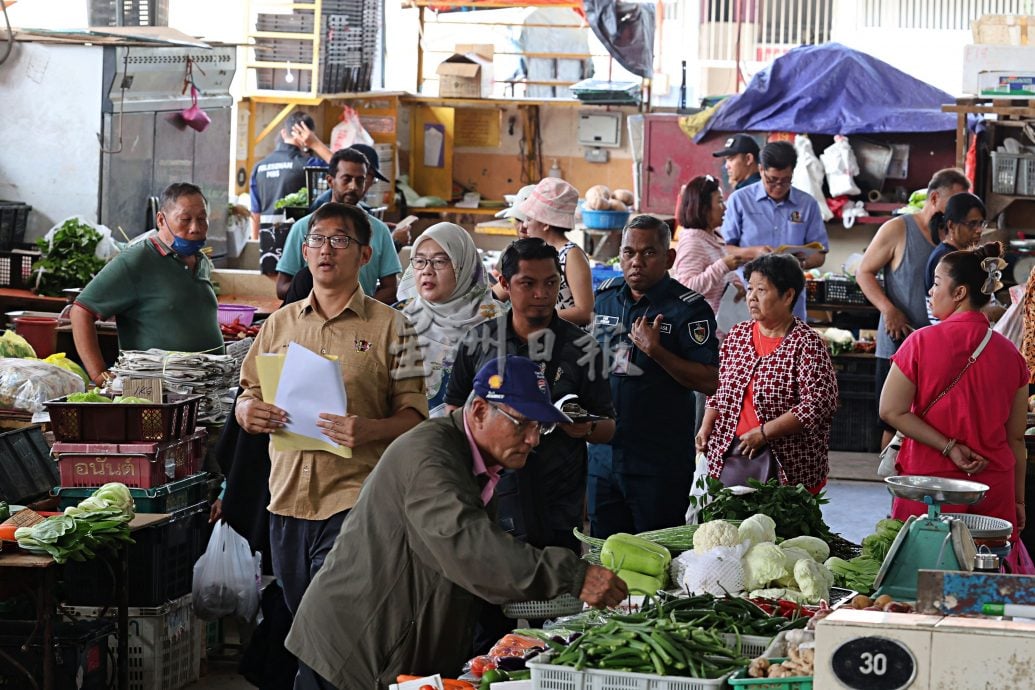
(402, 587)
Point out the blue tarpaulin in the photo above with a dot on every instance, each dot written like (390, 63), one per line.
(832, 89)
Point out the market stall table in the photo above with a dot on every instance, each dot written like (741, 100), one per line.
(23, 570)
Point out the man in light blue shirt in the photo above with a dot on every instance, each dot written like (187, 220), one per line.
(763, 216)
(348, 180)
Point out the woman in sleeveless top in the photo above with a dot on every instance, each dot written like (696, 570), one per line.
(976, 430)
(550, 213)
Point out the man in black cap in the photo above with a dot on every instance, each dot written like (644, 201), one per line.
(741, 154)
(373, 174)
(401, 586)
(349, 178)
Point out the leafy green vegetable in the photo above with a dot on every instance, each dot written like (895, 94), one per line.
(795, 511)
(299, 198)
(858, 573)
(93, 396)
(131, 400)
(100, 520)
(68, 259)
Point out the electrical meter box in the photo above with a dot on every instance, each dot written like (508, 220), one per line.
(600, 129)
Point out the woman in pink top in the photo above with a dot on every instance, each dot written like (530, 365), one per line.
(702, 263)
(976, 431)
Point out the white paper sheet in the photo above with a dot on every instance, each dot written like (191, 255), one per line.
(309, 384)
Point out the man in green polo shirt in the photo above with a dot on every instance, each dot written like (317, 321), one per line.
(159, 289)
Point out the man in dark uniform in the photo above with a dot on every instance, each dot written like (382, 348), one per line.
(542, 502)
(741, 154)
(280, 173)
(658, 342)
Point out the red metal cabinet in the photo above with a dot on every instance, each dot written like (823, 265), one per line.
(671, 159)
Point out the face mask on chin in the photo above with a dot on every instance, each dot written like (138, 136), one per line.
(186, 247)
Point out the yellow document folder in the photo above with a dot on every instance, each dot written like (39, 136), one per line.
(270, 367)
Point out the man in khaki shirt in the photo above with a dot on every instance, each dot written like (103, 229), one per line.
(311, 492)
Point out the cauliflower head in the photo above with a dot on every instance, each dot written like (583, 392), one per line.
(763, 563)
(715, 533)
(758, 528)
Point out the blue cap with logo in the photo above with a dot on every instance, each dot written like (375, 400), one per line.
(521, 385)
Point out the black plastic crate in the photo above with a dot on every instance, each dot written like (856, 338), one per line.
(161, 564)
(81, 657)
(16, 269)
(843, 291)
(852, 384)
(26, 469)
(13, 217)
(855, 426)
(861, 365)
(167, 498)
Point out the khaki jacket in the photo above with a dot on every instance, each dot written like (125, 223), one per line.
(399, 591)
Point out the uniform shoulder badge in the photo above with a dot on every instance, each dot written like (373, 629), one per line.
(610, 283)
(690, 297)
(699, 331)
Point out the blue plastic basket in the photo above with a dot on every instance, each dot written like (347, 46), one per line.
(604, 220)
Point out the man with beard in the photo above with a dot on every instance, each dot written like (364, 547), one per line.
(347, 176)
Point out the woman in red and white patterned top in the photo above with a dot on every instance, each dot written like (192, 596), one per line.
(777, 385)
(702, 263)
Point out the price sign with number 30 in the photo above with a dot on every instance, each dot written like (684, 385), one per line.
(874, 663)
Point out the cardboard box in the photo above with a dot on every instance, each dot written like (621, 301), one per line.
(999, 71)
(1004, 29)
(467, 73)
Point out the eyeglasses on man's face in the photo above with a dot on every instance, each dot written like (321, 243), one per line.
(524, 425)
(777, 181)
(337, 241)
(439, 263)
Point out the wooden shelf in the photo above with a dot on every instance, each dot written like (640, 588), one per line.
(458, 210)
(489, 102)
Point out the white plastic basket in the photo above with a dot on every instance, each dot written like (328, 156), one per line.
(984, 526)
(165, 643)
(546, 676)
(564, 605)
(750, 645)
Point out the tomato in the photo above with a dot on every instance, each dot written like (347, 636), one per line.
(427, 687)
(481, 664)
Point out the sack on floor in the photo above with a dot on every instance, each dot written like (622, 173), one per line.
(227, 577)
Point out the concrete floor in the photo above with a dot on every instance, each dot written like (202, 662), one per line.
(857, 502)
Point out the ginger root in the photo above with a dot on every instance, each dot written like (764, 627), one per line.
(758, 667)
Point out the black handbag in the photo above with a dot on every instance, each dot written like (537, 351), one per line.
(737, 469)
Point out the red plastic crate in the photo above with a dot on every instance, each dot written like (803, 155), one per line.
(122, 422)
(137, 465)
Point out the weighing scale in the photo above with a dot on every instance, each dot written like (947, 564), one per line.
(928, 542)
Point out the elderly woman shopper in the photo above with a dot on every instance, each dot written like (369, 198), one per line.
(770, 417)
(445, 292)
(702, 263)
(958, 393)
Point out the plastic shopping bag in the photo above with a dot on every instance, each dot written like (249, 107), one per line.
(698, 489)
(349, 131)
(808, 174)
(227, 577)
(841, 167)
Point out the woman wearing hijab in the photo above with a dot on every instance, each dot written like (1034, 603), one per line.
(445, 293)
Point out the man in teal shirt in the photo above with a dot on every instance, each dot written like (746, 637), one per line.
(347, 176)
(159, 289)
